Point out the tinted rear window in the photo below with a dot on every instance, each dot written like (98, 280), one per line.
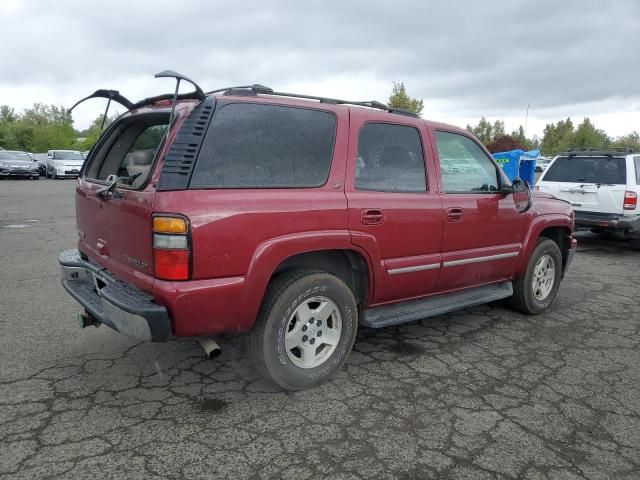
(609, 170)
(270, 146)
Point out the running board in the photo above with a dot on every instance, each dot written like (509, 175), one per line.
(412, 310)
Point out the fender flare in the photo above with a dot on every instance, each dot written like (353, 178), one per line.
(537, 225)
(270, 254)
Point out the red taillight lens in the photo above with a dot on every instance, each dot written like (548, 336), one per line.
(171, 247)
(630, 200)
(171, 264)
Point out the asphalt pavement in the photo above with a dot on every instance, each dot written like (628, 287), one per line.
(479, 394)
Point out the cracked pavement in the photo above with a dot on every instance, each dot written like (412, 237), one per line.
(478, 394)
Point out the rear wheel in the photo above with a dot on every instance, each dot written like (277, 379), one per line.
(536, 288)
(305, 330)
(635, 244)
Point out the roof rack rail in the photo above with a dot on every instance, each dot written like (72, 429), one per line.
(600, 149)
(261, 89)
(593, 151)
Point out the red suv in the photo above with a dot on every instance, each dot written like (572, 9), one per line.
(296, 219)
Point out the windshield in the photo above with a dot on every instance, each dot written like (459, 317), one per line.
(609, 170)
(67, 156)
(5, 155)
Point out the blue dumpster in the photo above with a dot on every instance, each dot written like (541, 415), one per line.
(518, 163)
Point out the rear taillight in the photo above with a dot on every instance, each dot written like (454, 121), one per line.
(630, 200)
(171, 248)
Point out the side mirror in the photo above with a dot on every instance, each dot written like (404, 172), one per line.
(521, 195)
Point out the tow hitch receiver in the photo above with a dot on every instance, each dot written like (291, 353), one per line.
(85, 320)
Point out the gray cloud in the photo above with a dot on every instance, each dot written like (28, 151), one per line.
(475, 57)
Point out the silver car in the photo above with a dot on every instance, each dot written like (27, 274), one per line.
(14, 164)
(64, 163)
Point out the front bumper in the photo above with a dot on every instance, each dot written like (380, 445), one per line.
(19, 173)
(112, 302)
(629, 223)
(67, 172)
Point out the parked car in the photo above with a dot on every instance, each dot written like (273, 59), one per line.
(296, 221)
(64, 163)
(42, 158)
(603, 187)
(542, 163)
(15, 164)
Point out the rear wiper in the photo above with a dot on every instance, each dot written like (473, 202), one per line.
(110, 190)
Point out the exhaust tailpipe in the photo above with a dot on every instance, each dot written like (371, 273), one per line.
(210, 347)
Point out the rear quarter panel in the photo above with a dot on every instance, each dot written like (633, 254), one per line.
(246, 233)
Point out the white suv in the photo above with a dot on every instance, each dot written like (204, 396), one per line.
(602, 185)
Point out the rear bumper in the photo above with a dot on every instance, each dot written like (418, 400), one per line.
(630, 223)
(112, 302)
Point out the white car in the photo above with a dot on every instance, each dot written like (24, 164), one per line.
(64, 163)
(602, 185)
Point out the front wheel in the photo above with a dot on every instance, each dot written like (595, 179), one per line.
(305, 330)
(536, 288)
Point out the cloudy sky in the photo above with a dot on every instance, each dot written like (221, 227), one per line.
(465, 59)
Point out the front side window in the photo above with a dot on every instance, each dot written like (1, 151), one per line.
(252, 145)
(390, 159)
(464, 166)
(608, 170)
(129, 150)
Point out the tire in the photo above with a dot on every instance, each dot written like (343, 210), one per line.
(283, 311)
(635, 244)
(35, 178)
(528, 297)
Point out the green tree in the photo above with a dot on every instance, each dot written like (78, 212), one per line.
(557, 137)
(401, 100)
(487, 132)
(631, 140)
(587, 135)
(38, 129)
(92, 133)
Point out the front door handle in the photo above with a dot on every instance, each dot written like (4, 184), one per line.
(454, 214)
(372, 217)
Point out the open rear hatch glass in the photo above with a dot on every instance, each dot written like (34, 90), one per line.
(590, 183)
(114, 220)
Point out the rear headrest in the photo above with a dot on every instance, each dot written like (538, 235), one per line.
(141, 157)
(396, 156)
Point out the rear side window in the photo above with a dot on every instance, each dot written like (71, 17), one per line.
(390, 159)
(266, 146)
(636, 160)
(609, 170)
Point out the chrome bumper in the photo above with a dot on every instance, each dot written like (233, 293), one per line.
(112, 302)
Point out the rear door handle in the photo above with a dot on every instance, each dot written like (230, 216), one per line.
(454, 214)
(371, 217)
